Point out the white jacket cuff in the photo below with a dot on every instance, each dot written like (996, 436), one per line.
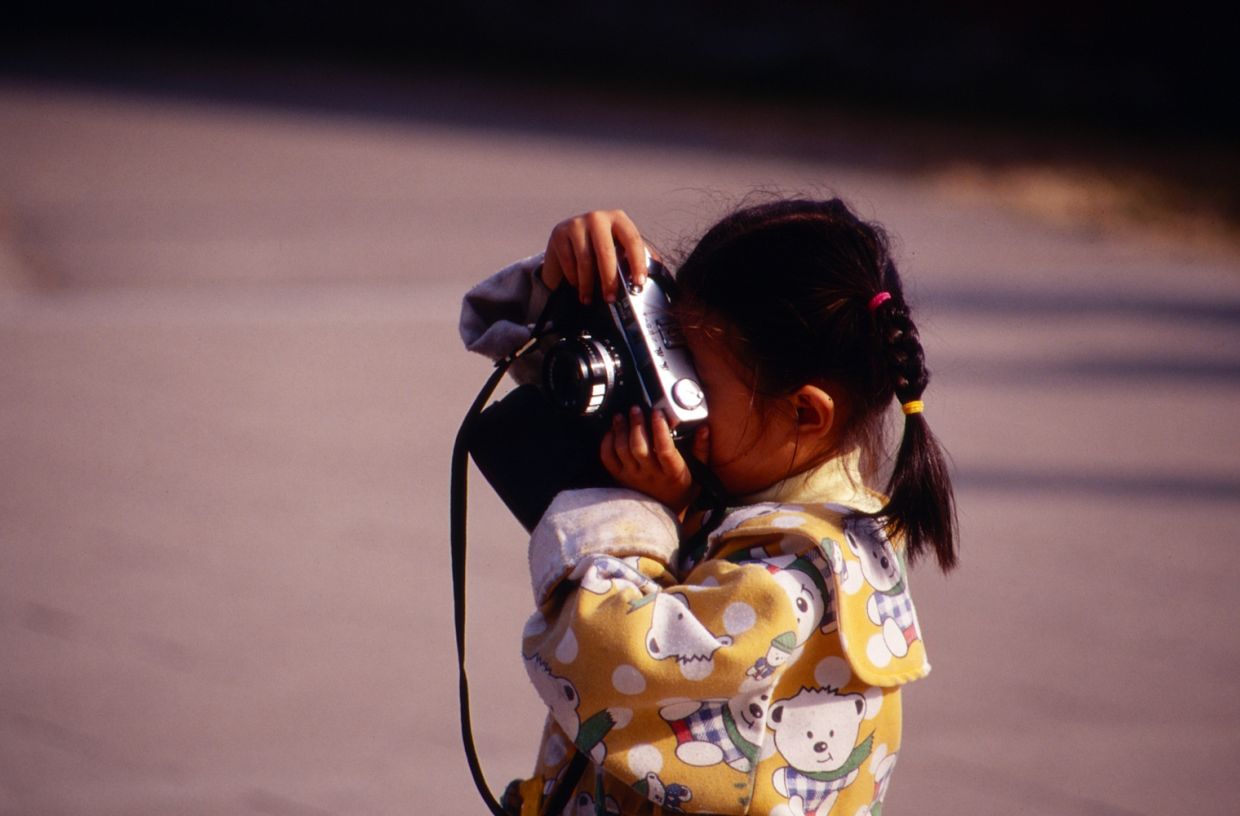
(598, 521)
(498, 314)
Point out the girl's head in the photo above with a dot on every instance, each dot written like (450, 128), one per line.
(801, 360)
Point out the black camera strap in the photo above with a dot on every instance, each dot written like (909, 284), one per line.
(458, 517)
(459, 514)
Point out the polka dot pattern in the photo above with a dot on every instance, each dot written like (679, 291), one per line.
(832, 671)
(876, 649)
(643, 759)
(620, 716)
(566, 652)
(739, 618)
(628, 680)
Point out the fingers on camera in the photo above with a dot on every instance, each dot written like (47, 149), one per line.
(664, 447)
(583, 258)
(605, 254)
(625, 233)
(615, 451)
(639, 445)
(627, 446)
(584, 248)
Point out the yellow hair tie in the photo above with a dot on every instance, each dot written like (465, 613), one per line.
(913, 407)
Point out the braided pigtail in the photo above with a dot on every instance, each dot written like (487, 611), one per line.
(921, 504)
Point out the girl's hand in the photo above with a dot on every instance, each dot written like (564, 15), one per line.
(582, 251)
(650, 463)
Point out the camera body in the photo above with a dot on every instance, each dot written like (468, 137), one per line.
(628, 352)
(541, 439)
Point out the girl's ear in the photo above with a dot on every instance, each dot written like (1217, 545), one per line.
(815, 411)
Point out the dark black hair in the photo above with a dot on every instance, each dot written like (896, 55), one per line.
(791, 282)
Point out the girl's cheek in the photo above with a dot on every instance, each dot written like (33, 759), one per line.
(721, 450)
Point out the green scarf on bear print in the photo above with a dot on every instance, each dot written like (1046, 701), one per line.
(851, 764)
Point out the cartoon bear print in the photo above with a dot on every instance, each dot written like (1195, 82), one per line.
(561, 697)
(816, 734)
(710, 732)
(675, 634)
(890, 606)
(672, 796)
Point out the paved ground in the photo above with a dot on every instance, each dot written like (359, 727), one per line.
(229, 380)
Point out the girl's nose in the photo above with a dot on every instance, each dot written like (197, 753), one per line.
(820, 747)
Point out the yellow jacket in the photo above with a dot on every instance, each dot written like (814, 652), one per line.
(764, 680)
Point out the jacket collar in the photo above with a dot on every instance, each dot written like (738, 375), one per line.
(837, 480)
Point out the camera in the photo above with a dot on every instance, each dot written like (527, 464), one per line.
(628, 352)
(606, 357)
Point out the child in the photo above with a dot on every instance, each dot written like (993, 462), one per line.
(761, 674)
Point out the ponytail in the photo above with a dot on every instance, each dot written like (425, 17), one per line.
(921, 506)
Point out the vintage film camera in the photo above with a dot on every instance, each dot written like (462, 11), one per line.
(541, 439)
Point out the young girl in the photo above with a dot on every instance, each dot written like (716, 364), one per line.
(761, 673)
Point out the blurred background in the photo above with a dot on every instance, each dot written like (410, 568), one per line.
(233, 241)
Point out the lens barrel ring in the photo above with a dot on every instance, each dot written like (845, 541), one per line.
(582, 374)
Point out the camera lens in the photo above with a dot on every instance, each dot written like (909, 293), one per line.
(581, 374)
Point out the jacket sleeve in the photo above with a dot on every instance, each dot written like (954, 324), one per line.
(498, 314)
(630, 659)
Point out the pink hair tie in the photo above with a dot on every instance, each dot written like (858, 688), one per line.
(879, 300)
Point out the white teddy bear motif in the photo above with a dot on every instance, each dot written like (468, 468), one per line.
(561, 697)
(816, 734)
(709, 732)
(890, 606)
(675, 634)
